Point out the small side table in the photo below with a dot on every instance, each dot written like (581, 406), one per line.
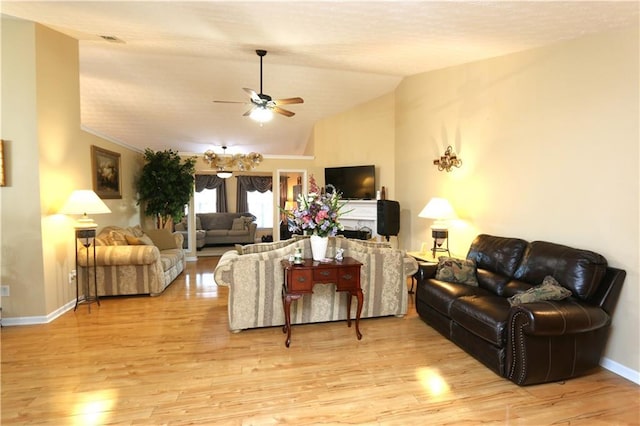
(300, 279)
(86, 237)
(424, 260)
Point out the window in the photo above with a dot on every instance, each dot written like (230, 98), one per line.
(261, 206)
(205, 201)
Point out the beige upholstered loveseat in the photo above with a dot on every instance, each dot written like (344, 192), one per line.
(132, 261)
(255, 281)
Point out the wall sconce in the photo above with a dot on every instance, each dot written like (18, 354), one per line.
(448, 160)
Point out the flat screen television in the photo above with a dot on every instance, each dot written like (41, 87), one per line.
(354, 182)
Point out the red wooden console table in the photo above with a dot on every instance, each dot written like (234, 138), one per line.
(300, 279)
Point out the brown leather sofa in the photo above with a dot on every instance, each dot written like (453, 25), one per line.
(530, 343)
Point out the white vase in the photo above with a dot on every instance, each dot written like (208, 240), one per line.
(318, 247)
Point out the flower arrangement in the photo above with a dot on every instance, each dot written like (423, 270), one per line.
(317, 213)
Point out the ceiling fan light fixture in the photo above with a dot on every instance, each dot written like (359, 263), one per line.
(261, 114)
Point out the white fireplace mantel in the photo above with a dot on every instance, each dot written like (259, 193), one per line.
(360, 214)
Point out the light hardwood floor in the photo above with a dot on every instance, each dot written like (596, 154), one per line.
(171, 360)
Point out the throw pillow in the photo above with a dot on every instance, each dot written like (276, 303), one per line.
(550, 289)
(139, 241)
(162, 238)
(136, 231)
(462, 271)
(238, 224)
(103, 240)
(119, 238)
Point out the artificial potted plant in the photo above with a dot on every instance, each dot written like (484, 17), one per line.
(165, 185)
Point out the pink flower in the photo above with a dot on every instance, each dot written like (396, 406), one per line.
(321, 215)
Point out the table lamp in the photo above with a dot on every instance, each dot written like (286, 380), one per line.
(441, 211)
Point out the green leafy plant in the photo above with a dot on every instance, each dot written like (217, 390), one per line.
(165, 185)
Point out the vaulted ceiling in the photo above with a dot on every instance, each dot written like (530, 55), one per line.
(155, 85)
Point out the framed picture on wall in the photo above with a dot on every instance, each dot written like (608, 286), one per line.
(105, 166)
(3, 182)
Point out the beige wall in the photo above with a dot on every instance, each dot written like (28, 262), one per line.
(361, 136)
(48, 158)
(549, 143)
(21, 218)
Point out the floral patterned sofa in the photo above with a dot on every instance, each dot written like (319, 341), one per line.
(255, 277)
(132, 261)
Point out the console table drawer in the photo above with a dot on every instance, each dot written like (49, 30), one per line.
(301, 281)
(325, 275)
(349, 278)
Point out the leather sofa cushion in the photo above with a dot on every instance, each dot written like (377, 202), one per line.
(492, 281)
(497, 254)
(483, 315)
(440, 294)
(578, 270)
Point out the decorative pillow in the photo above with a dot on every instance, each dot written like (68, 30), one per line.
(136, 231)
(238, 224)
(248, 220)
(103, 240)
(162, 238)
(139, 241)
(462, 271)
(550, 289)
(119, 238)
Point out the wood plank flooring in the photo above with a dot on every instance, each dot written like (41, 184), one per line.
(171, 360)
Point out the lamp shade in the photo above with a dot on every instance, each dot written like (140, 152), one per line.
(439, 209)
(84, 202)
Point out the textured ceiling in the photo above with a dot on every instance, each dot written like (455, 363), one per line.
(156, 88)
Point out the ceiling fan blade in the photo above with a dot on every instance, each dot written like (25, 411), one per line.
(231, 102)
(246, 114)
(284, 112)
(288, 101)
(253, 94)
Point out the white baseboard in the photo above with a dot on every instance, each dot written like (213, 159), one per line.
(39, 319)
(621, 370)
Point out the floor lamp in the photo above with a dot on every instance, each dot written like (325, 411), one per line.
(441, 211)
(84, 202)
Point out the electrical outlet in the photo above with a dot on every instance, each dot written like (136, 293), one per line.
(72, 276)
(4, 290)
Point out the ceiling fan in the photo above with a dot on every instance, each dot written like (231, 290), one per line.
(263, 105)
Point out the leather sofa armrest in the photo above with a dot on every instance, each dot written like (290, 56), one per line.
(550, 341)
(120, 255)
(426, 270)
(551, 318)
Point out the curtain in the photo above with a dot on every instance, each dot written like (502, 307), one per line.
(248, 184)
(214, 182)
(284, 186)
